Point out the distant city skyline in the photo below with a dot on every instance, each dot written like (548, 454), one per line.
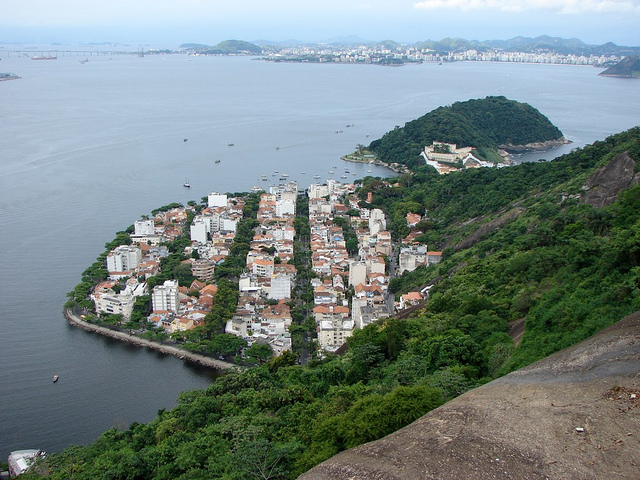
(172, 22)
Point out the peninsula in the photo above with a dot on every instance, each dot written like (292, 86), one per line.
(628, 67)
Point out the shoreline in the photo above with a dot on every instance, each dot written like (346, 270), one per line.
(143, 342)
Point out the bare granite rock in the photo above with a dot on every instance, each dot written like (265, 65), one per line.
(603, 186)
(572, 415)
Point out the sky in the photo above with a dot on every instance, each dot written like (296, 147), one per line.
(173, 22)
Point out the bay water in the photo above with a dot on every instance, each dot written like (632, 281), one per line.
(87, 148)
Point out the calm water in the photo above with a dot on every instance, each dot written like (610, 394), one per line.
(86, 149)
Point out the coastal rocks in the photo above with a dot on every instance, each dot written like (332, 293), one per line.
(603, 186)
(536, 146)
(143, 342)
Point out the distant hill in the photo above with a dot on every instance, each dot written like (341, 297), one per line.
(227, 47)
(571, 46)
(628, 67)
(235, 46)
(544, 43)
(486, 124)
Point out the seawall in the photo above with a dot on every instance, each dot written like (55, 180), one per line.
(143, 342)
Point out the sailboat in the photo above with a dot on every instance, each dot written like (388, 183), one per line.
(186, 183)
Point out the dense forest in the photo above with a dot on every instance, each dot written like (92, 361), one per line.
(520, 244)
(485, 124)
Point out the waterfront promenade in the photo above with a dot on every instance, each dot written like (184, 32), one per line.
(143, 342)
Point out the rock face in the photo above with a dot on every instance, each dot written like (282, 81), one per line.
(573, 415)
(603, 186)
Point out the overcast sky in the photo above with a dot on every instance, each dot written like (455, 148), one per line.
(172, 22)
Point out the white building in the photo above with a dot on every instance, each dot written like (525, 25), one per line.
(199, 230)
(411, 258)
(165, 297)
(377, 221)
(114, 304)
(144, 227)
(357, 273)
(285, 207)
(217, 200)
(280, 286)
(123, 258)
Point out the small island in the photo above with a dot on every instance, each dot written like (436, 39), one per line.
(493, 128)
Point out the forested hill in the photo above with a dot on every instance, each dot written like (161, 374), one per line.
(483, 123)
(529, 245)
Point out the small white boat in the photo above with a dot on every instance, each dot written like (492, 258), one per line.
(55, 378)
(186, 183)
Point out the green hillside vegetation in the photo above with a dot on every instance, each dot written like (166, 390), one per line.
(568, 269)
(235, 46)
(484, 123)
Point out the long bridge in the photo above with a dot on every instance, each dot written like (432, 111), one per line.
(50, 54)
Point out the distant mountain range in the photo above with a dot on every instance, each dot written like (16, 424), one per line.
(571, 46)
(563, 46)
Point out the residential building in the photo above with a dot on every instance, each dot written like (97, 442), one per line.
(165, 297)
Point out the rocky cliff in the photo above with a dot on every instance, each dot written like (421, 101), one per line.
(573, 415)
(603, 186)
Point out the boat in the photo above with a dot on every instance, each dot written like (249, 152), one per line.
(185, 139)
(316, 176)
(277, 148)
(230, 144)
(256, 188)
(285, 175)
(343, 176)
(350, 125)
(55, 378)
(84, 61)
(186, 183)
(303, 173)
(331, 172)
(369, 171)
(217, 161)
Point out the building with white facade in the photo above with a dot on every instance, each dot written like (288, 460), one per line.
(280, 286)
(165, 297)
(124, 258)
(144, 227)
(357, 273)
(199, 230)
(411, 258)
(217, 200)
